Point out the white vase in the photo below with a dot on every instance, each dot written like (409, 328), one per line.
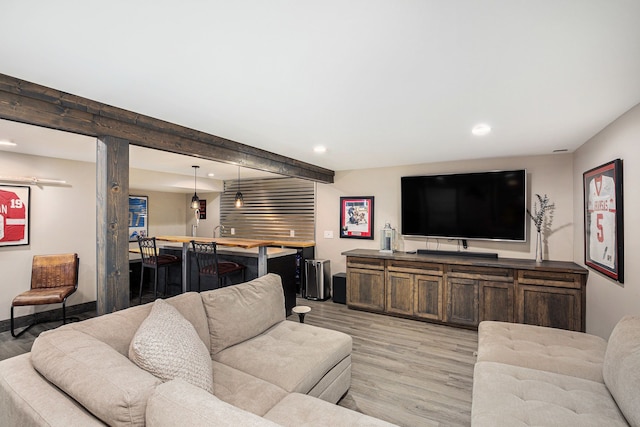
(538, 247)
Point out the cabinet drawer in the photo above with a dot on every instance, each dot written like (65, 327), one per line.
(368, 263)
(549, 278)
(481, 273)
(428, 268)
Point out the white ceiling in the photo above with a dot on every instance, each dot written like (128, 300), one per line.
(379, 83)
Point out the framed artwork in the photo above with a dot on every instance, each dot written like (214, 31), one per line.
(603, 220)
(138, 217)
(15, 205)
(203, 209)
(356, 217)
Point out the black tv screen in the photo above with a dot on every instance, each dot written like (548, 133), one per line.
(485, 205)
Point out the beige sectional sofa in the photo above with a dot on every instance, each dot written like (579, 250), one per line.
(258, 368)
(534, 376)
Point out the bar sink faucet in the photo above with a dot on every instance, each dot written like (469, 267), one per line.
(221, 227)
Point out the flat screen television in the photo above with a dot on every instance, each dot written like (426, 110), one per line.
(481, 206)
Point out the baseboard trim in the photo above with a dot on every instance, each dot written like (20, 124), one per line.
(48, 315)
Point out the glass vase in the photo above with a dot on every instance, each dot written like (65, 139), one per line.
(539, 247)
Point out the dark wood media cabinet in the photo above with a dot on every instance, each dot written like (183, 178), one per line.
(463, 291)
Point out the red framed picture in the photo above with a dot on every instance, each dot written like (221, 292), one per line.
(15, 205)
(203, 209)
(603, 220)
(356, 217)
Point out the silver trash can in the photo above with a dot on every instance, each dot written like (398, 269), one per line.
(318, 279)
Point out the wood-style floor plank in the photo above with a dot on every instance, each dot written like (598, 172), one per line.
(407, 372)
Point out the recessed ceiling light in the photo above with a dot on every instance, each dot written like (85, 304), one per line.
(211, 174)
(319, 149)
(8, 143)
(481, 129)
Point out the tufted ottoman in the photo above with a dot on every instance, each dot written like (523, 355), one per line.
(535, 376)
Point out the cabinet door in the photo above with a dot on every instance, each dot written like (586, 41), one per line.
(462, 301)
(365, 289)
(549, 306)
(497, 301)
(399, 293)
(428, 297)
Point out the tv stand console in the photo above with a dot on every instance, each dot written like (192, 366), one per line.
(465, 290)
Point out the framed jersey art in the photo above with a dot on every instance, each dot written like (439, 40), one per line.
(14, 215)
(603, 222)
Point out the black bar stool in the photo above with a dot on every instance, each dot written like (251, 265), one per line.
(153, 260)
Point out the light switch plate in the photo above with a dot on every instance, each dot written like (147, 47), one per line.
(292, 233)
(328, 234)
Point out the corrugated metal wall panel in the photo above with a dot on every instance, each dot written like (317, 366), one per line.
(272, 208)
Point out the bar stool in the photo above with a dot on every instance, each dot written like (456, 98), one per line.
(151, 259)
(206, 255)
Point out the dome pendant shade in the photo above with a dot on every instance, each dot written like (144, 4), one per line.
(195, 201)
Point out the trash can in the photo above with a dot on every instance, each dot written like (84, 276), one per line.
(318, 279)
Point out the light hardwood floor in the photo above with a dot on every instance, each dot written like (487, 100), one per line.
(406, 372)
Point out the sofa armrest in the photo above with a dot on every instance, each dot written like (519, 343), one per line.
(177, 402)
(28, 399)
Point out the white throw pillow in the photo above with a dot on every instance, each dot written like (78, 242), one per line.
(168, 346)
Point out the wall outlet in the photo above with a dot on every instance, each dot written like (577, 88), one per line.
(292, 233)
(328, 234)
(233, 231)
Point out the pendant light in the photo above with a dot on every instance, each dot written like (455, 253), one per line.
(195, 201)
(239, 199)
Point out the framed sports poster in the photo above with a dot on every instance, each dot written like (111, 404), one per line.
(356, 217)
(14, 215)
(202, 211)
(603, 220)
(138, 217)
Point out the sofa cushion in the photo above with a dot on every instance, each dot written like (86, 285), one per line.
(245, 391)
(178, 403)
(167, 345)
(548, 349)
(622, 367)
(118, 328)
(104, 381)
(294, 356)
(506, 395)
(237, 313)
(299, 410)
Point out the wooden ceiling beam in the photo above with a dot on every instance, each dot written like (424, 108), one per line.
(38, 105)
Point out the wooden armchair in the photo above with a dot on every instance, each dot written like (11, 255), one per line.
(53, 279)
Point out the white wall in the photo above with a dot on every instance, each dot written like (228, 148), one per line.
(62, 218)
(608, 300)
(551, 175)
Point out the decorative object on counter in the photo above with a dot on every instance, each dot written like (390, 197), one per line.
(603, 220)
(538, 217)
(388, 239)
(138, 217)
(239, 200)
(356, 217)
(14, 215)
(195, 201)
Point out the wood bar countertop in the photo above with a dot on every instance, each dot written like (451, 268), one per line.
(294, 243)
(222, 241)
